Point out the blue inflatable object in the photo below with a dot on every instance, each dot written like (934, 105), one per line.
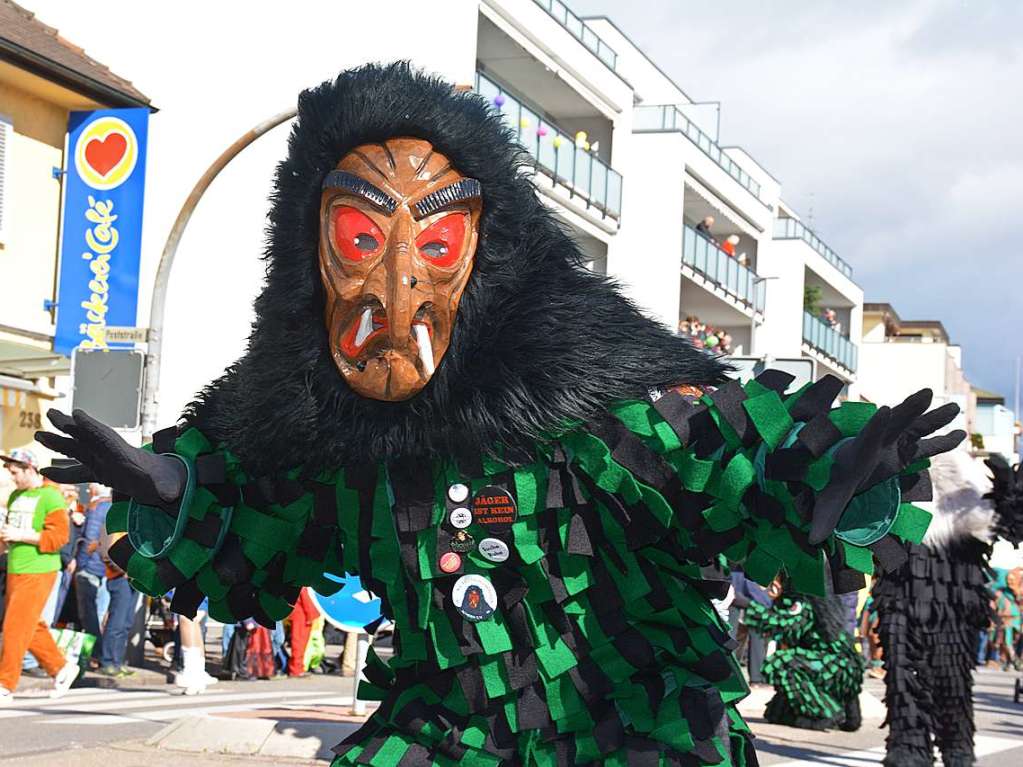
(351, 608)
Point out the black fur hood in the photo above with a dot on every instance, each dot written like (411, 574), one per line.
(539, 342)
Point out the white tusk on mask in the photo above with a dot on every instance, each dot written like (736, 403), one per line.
(425, 348)
(365, 327)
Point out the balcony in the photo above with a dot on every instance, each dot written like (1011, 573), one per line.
(578, 29)
(790, 229)
(829, 342)
(667, 117)
(581, 172)
(722, 270)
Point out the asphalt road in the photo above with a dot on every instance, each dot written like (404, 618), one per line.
(108, 728)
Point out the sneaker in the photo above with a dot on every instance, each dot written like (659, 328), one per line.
(109, 671)
(64, 679)
(36, 672)
(124, 672)
(6, 697)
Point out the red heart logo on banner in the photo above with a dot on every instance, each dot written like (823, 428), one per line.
(104, 155)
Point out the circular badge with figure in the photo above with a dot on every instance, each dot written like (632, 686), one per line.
(462, 542)
(494, 508)
(474, 597)
(460, 518)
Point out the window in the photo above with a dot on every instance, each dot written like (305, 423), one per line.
(5, 142)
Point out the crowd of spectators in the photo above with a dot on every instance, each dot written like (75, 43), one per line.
(56, 574)
(704, 336)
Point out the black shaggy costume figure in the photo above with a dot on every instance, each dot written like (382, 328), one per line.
(593, 640)
(932, 609)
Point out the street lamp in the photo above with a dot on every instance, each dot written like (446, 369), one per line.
(159, 302)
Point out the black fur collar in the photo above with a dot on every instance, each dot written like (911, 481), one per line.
(540, 342)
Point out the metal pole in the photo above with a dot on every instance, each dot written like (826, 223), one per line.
(159, 302)
(361, 650)
(1015, 409)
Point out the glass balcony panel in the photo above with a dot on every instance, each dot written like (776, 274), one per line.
(566, 160)
(688, 246)
(614, 193)
(573, 25)
(598, 183)
(559, 12)
(528, 137)
(583, 164)
(546, 153)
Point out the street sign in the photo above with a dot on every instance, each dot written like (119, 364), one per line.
(117, 334)
(102, 226)
(107, 384)
(804, 370)
(351, 608)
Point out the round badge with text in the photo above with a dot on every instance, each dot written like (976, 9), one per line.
(494, 508)
(474, 597)
(460, 518)
(493, 549)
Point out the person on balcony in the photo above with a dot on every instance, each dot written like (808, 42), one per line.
(729, 244)
(704, 228)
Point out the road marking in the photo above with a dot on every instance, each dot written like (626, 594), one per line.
(199, 709)
(68, 705)
(984, 745)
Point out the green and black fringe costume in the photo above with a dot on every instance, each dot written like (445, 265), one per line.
(816, 671)
(604, 647)
(601, 645)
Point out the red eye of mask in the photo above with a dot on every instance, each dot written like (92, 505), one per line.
(355, 235)
(441, 244)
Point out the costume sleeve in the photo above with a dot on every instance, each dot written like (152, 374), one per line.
(248, 544)
(741, 472)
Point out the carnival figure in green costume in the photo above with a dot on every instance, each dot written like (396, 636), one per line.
(816, 671)
(438, 397)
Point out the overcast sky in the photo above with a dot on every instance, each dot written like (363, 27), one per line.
(898, 124)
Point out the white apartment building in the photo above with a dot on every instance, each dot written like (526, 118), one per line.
(677, 173)
(651, 167)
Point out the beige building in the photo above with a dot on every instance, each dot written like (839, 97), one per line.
(43, 77)
(899, 357)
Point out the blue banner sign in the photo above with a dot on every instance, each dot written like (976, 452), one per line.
(102, 228)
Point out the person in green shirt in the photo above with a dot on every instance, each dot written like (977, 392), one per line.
(35, 526)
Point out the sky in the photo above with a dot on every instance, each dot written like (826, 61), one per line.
(895, 126)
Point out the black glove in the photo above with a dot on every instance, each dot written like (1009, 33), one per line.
(104, 456)
(888, 443)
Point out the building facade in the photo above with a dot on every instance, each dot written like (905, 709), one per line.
(625, 159)
(43, 78)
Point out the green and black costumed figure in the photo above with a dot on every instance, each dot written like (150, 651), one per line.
(816, 671)
(439, 398)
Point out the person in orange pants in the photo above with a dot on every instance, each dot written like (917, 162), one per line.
(35, 528)
(302, 617)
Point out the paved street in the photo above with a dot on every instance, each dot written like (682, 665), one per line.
(109, 728)
(89, 716)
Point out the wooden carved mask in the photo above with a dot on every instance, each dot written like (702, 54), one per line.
(398, 233)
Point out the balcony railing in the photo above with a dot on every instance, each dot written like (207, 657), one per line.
(561, 14)
(829, 342)
(722, 269)
(790, 229)
(667, 117)
(555, 152)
